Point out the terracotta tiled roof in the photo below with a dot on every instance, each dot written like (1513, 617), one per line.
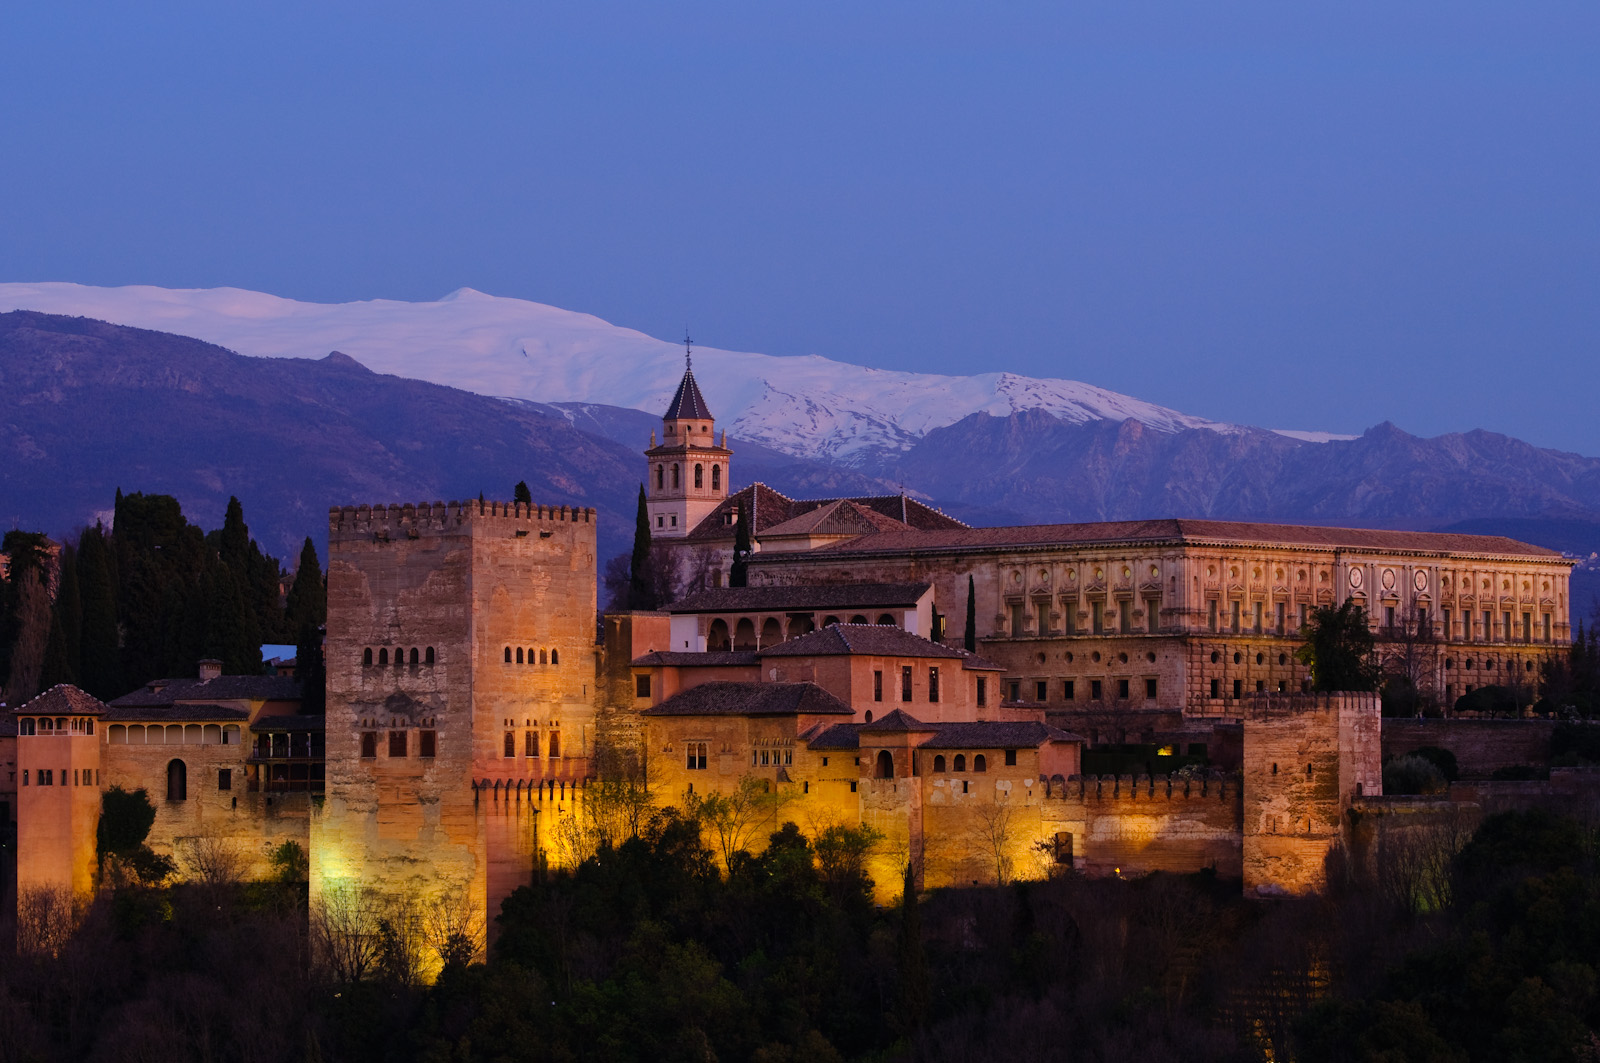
(767, 509)
(802, 596)
(681, 659)
(752, 699)
(180, 713)
(63, 699)
(222, 688)
(1176, 530)
(860, 640)
(688, 404)
(840, 517)
(998, 734)
(897, 722)
(832, 736)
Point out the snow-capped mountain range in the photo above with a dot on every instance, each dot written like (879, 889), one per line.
(511, 348)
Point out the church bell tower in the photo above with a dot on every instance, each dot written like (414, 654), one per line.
(687, 476)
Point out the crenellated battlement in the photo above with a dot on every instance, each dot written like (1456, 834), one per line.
(1273, 706)
(1213, 786)
(411, 520)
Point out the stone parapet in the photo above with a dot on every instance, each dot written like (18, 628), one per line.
(415, 519)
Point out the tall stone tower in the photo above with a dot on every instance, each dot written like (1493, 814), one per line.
(687, 476)
(461, 668)
(58, 799)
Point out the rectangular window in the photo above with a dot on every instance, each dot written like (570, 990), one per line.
(1547, 627)
(1125, 617)
(530, 743)
(1236, 606)
(1016, 619)
(1014, 690)
(1505, 627)
(1097, 617)
(1488, 626)
(1527, 627)
(983, 690)
(933, 685)
(1260, 608)
(1152, 615)
(427, 744)
(1305, 614)
(1122, 689)
(1150, 690)
(1063, 854)
(1447, 617)
(1041, 610)
(905, 683)
(1069, 617)
(1388, 617)
(224, 778)
(1238, 689)
(1283, 618)
(641, 686)
(1423, 628)
(877, 686)
(47, 777)
(1096, 690)
(1216, 688)
(510, 744)
(1041, 690)
(1011, 758)
(1066, 690)
(852, 786)
(369, 744)
(1211, 614)
(397, 743)
(24, 776)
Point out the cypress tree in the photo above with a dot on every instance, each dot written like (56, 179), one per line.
(521, 493)
(233, 541)
(308, 595)
(641, 584)
(913, 962)
(972, 617)
(69, 611)
(55, 669)
(739, 575)
(310, 670)
(98, 649)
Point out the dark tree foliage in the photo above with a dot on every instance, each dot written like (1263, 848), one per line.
(126, 817)
(641, 578)
(28, 553)
(521, 493)
(99, 648)
(738, 576)
(1491, 700)
(1339, 649)
(971, 641)
(307, 603)
(69, 610)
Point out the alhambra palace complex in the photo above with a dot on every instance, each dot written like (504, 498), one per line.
(468, 701)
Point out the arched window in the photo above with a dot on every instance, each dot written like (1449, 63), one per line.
(177, 781)
(716, 477)
(25, 725)
(829, 620)
(508, 654)
(427, 657)
(543, 657)
(885, 618)
(555, 743)
(938, 764)
(858, 619)
(416, 657)
(771, 633)
(698, 472)
(383, 658)
(744, 634)
(555, 656)
(979, 764)
(675, 477)
(961, 762)
(661, 477)
(531, 655)
(366, 657)
(717, 636)
(885, 765)
(519, 654)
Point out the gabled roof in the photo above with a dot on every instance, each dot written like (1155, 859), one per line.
(767, 509)
(183, 712)
(998, 734)
(861, 640)
(688, 404)
(897, 722)
(832, 736)
(709, 659)
(1179, 531)
(222, 688)
(839, 517)
(63, 699)
(752, 699)
(802, 596)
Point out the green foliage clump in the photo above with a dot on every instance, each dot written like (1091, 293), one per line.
(1492, 700)
(1440, 758)
(1339, 649)
(125, 820)
(1411, 775)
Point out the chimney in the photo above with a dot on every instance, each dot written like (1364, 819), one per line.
(210, 668)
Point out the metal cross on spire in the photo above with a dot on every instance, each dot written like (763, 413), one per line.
(688, 350)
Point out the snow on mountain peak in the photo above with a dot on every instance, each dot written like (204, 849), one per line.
(809, 405)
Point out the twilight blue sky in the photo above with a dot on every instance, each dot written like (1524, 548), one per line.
(1309, 215)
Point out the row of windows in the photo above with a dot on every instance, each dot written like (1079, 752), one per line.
(399, 744)
(1508, 631)
(1069, 689)
(906, 683)
(699, 476)
(423, 658)
(172, 734)
(47, 777)
(1258, 623)
(52, 725)
(1100, 618)
(530, 744)
(515, 655)
(1281, 687)
(743, 635)
(883, 767)
(760, 758)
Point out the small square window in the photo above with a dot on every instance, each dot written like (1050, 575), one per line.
(1011, 758)
(224, 778)
(641, 686)
(397, 743)
(427, 743)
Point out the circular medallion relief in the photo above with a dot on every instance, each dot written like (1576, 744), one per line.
(1388, 579)
(1044, 575)
(1355, 577)
(1126, 572)
(1099, 573)
(1421, 581)
(1154, 571)
(1072, 575)
(1016, 577)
